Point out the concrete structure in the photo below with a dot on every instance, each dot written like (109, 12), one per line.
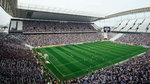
(10, 6)
(36, 12)
(146, 9)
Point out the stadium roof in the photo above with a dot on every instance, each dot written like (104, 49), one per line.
(146, 9)
(48, 13)
(69, 10)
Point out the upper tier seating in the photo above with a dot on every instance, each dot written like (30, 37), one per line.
(116, 26)
(55, 39)
(135, 25)
(148, 31)
(143, 27)
(44, 26)
(123, 24)
(130, 25)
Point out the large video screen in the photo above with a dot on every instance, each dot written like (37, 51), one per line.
(107, 29)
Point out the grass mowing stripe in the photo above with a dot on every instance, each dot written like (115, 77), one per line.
(52, 62)
(48, 65)
(87, 52)
(64, 60)
(58, 72)
(114, 49)
(104, 56)
(76, 57)
(110, 46)
(117, 45)
(85, 55)
(102, 53)
(113, 52)
(89, 48)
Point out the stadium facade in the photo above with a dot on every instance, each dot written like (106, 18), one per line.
(132, 21)
(135, 20)
(47, 46)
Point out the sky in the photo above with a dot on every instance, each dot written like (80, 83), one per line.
(4, 17)
(104, 7)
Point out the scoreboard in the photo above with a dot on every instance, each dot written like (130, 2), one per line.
(106, 29)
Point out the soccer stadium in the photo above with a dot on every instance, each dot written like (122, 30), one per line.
(75, 42)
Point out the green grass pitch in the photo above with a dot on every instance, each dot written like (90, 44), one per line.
(67, 62)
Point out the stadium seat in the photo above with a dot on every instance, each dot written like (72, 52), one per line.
(116, 26)
(134, 28)
(123, 24)
(148, 28)
(130, 25)
(143, 27)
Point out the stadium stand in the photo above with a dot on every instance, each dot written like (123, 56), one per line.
(122, 25)
(116, 26)
(21, 65)
(17, 63)
(129, 26)
(138, 39)
(136, 25)
(148, 28)
(67, 33)
(55, 39)
(111, 35)
(144, 26)
(133, 71)
(127, 72)
(43, 26)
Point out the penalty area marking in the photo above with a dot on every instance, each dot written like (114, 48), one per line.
(109, 61)
(53, 64)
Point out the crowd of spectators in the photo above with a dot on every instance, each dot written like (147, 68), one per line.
(138, 39)
(17, 63)
(111, 35)
(72, 36)
(45, 26)
(55, 39)
(133, 71)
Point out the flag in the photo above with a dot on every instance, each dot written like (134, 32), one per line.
(40, 54)
(47, 62)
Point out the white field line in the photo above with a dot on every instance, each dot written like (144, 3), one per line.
(94, 66)
(91, 67)
(93, 50)
(53, 64)
(68, 63)
(69, 57)
(107, 66)
(130, 58)
(82, 70)
(52, 72)
(106, 48)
